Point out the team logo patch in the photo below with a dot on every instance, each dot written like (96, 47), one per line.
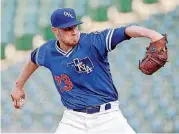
(68, 14)
(82, 65)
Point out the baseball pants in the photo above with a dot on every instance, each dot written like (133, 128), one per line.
(104, 122)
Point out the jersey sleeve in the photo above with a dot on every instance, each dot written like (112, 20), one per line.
(38, 56)
(118, 36)
(106, 40)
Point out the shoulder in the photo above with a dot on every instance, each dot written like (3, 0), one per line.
(102, 35)
(95, 34)
(44, 52)
(46, 47)
(48, 44)
(98, 32)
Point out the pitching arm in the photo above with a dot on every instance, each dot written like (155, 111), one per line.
(18, 91)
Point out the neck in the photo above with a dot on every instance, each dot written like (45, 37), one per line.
(64, 47)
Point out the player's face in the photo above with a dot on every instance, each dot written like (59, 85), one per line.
(69, 36)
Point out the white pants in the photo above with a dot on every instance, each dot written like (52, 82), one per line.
(104, 122)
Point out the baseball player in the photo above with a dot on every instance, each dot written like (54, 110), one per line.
(81, 73)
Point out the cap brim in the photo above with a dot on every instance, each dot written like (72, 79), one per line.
(70, 24)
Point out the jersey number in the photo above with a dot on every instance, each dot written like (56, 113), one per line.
(64, 78)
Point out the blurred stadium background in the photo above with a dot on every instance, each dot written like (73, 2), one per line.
(150, 103)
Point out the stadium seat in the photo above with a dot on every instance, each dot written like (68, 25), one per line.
(135, 123)
(57, 4)
(24, 42)
(176, 126)
(48, 121)
(80, 9)
(8, 107)
(3, 46)
(149, 113)
(47, 33)
(150, 1)
(142, 103)
(6, 120)
(28, 108)
(171, 112)
(98, 10)
(123, 5)
(137, 91)
(156, 126)
(26, 121)
(128, 112)
(7, 24)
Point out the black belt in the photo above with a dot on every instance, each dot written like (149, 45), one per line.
(93, 109)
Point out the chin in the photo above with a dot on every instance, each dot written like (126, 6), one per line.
(74, 43)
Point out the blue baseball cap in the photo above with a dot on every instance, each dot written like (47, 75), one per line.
(64, 17)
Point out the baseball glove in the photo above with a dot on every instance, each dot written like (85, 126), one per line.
(155, 57)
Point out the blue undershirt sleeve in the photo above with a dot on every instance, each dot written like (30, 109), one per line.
(33, 55)
(118, 36)
(38, 56)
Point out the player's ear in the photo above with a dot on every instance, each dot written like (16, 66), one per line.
(55, 31)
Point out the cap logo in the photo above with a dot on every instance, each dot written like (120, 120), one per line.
(68, 14)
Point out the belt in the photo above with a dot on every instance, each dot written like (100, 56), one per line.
(93, 109)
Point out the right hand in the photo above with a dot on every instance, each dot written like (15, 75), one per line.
(18, 97)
